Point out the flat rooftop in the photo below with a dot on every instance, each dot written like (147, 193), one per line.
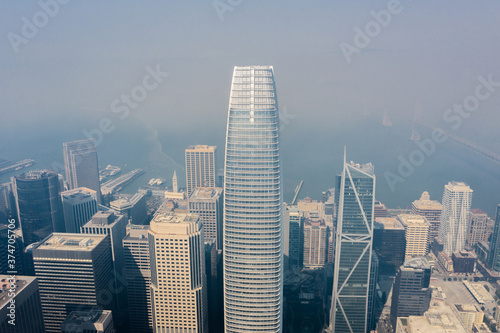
(438, 319)
(87, 318)
(417, 263)
(413, 219)
(36, 174)
(466, 308)
(175, 223)
(390, 223)
(205, 193)
(458, 186)
(173, 217)
(70, 242)
(126, 203)
(202, 147)
(102, 218)
(21, 283)
(464, 254)
(137, 232)
(77, 193)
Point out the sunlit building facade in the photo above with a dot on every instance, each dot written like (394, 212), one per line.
(253, 248)
(457, 199)
(200, 167)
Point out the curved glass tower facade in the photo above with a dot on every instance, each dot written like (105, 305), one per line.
(39, 204)
(253, 255)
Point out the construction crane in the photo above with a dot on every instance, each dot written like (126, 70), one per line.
(297, 190)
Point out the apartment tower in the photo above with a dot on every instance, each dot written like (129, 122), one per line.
(457, 199)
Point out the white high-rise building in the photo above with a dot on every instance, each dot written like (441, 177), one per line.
(253, 226)
(200, 167)
(416, 234)
(175, 188)
(457, 199)
(178, 278)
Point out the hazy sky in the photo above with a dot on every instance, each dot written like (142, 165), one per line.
(65, 76)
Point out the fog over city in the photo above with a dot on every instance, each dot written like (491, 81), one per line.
(360, 75)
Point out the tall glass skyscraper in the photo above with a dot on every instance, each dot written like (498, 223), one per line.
(353, 255)
(82, 168)
(38, 201)
(253, 255)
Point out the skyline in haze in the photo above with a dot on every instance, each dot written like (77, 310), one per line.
(429, 56)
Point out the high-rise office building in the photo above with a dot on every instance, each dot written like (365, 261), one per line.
(74, 273)
(477, 227)
(16, 255)
(79, 205)
(178, 278)
(411, 294)
(81, 165)
(315, 243)
(431, 210)
(494, 255)
(293, 236)
(457, 199)
(207, 202)
(379, 210)
(39, 205)
(389, 243)
(253, 256)
(353, 255)
(89, 321)
(138, 276)
(24, 313)
(416, 235)
(215, 293)
(114, 225)
(200, 167)
(134, 208)
(5, 202)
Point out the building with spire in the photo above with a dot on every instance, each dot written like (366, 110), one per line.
(351, 303)
(253, 217)
(175, 188)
